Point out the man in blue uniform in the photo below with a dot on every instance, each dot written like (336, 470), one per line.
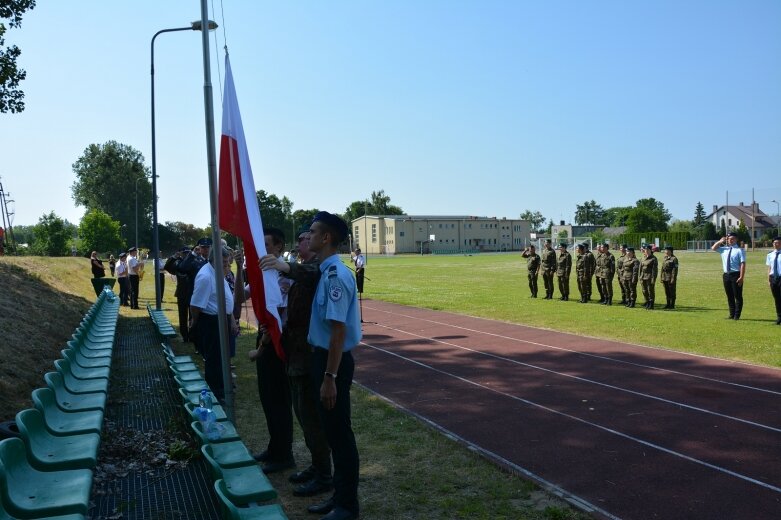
(334, 330)
(733, 263)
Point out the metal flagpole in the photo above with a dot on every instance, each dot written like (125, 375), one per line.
(211, 154)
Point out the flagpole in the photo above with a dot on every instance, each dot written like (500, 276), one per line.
(211, 155)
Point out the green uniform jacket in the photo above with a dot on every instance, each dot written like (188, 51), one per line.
(548, 260)
(532, 262)
(564, 265)
(649, 268)
(670, 269)
(591, 263)
(630, 269)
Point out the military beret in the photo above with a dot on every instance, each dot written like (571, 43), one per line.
(205, 242)
(563, 246)
(134, 248)
(776, 238)
(185, 249)
(605, 244)
(732, 234)
(625, 246)
(334, 222)
(632, 249)
(668, 248)
(648, 246)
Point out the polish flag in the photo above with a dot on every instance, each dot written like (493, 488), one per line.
(240, 215)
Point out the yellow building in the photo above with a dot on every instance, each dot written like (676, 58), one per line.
(397, 234)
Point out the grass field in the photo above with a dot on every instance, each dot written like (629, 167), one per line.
(495, 286)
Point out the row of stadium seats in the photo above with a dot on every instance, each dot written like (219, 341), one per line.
(238, 481)
(46, 473)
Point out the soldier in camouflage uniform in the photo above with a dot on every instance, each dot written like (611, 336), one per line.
(581, 271)
(669, 276)
(619, 269)
(548, 261)
(649, 269)
(533, 266)
(606, 264)
(629, 272)
(563, 270)
(591, 266)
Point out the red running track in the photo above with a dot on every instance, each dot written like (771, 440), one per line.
(633, 432)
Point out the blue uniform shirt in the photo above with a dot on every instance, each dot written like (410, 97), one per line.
(736, 257)
(336, 299)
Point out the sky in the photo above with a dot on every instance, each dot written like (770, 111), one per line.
(453, 107)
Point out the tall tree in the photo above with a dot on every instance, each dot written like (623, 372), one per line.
(303, 217)
(535, 218)
(109, 177)
(589, 213)
(11, 98)
(183, 235)
(648, 215)
(699, 215)
(274, 211)
(617, 216)
(51, 236)
(377, 204)
(98, 232)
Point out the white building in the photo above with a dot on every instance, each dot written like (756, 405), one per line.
(753, 217)
(395, 234)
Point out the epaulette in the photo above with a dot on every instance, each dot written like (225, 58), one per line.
(332, 271)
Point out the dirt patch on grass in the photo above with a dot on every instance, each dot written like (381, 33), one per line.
(36, 321)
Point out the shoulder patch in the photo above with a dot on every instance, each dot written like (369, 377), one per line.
(332, 271)
(335, 292)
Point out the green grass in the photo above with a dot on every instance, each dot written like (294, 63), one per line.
(495, 286)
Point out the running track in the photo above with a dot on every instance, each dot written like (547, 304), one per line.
(632, 432)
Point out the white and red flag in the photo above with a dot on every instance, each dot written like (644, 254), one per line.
(240, 215)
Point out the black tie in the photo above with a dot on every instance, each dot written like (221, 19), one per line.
(729, 254)
(776, 266)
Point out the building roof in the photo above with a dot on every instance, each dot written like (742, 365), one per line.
(744, 213)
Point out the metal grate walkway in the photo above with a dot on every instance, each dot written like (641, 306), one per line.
(149, 465)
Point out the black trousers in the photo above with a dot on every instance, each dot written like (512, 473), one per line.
(133, 291)
(305, 400)
(775, 290)
(162, 286)
(183, 304)
(734, 293)
(359, 279)
(547, 280)
(274, 392)
(338, 428)
(206, 335)
(124, 290)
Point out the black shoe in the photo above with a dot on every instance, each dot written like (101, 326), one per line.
(261, 457)
(275, 467)
(300, 477)
(313, 487)
(322, 508)
(339, 513)
(778, 321)
(737, 317)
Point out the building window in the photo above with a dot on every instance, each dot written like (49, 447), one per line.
(374, 233)
(357, 236)
(401, 233)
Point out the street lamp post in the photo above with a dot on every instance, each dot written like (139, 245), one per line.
(194, 26)
(136, 242)
(778, 217)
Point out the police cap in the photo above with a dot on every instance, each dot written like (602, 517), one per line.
(207, 242)
(732, 234)
(134, 248)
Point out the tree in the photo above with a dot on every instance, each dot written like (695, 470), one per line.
(589, 213)
(648, 215)
(535, 218)
(274, 211)
(742, 232)
(682, 226)
(617, 216)
(51, 236)
(178, 234)
(11, 98)
(303, 217)
(706, 232)
(699, 215)
(378, 205)
(108, 178)
(98, 232)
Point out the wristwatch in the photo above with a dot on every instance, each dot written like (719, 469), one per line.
(331, 375)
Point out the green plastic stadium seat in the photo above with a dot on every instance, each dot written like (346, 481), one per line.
(189, 376)
(228, 455)
(229, 434)
(47, 452)
(69, 401)
(191, 386)
(244, 484)
(76, 385)
(254, 512)
(5, 516)
(65, 423)
(87, 352)
(184, 367)
(218, 410)
(29, 493)
(87, 363)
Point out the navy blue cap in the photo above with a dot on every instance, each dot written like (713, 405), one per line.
(732, 234)
(205, 242)
(185, 249)
(334, 222)
(134, 248)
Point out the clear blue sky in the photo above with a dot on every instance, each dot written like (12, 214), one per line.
(451, 106)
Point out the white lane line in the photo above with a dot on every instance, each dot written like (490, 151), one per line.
(590, 381)
(596, 356)
(584, 421)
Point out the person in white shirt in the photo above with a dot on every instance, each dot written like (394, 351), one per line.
(774, 275)
(204, 325)
(360, 264)
(132, 267)
(124, 283)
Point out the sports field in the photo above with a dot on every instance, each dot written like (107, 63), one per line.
(495, 286)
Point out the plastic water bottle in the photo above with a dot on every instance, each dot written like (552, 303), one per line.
(211, 428)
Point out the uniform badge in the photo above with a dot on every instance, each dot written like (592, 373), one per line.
(335, 292)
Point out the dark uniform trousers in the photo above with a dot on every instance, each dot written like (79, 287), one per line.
(274, 392)
(734, 293)
(133, 291)
(338, 428)
(775, 290)
(206, 336)
(547, 280)
(564, 286)
(533, 283)
(124, 290)
(359, 279)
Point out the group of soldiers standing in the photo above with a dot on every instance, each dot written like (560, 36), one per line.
(604, 267)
